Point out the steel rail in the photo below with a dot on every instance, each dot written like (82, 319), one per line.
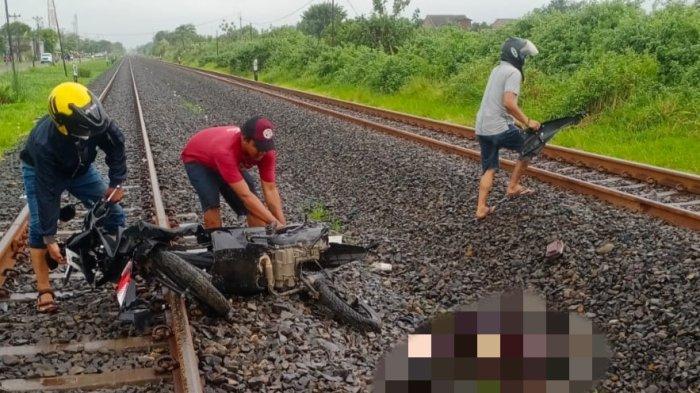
(650, 174)
(186, 375)
(672, 214)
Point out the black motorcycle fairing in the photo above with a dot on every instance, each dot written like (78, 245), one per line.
(293, 234)
(145, 230)
(534, 143)
(309, 236)
(235, 268)
(203, 260)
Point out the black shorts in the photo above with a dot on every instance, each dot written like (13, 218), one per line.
(512, 139)
(209, 185)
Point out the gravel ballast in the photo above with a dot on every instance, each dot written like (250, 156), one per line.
(419, 205)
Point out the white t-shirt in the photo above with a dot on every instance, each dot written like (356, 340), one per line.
(493, 118)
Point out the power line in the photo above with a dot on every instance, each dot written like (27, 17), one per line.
(208, 22)
(352, 7)
(286, 16)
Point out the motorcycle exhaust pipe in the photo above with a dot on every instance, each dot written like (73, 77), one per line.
(265, 264)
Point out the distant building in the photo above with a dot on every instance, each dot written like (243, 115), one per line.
(446, 20)
(502, 22)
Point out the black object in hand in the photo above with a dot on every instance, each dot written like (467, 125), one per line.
(67, 213)
(534, 143)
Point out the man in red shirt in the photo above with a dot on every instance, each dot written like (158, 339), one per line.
(217, 159)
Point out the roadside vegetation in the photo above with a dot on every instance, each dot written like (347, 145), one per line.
(18, 112)
(636, 72)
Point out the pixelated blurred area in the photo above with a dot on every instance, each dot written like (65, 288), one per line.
(503, 343)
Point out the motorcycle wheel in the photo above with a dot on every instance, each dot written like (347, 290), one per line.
(187, 276)
(360, 316)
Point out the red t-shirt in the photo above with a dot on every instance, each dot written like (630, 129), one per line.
(219, 148)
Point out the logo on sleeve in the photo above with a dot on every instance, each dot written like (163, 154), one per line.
(268, 134)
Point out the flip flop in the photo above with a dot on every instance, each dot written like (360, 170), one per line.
(46, 306)
(490, 210)
(521, 192)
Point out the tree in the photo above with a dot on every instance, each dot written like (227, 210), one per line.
(319, 17)
(71, 42)
(561, 6)
(21, 37)
(479, 26)
(379, 7)
(50, 39)
(383, 29)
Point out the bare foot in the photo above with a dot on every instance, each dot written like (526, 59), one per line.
(483, 211)
(520, 190)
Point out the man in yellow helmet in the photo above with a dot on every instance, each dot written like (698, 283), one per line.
(58, 156)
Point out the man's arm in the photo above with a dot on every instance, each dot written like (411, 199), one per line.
(112, 143)
(273, 200)
(251, 202)
(510, 102)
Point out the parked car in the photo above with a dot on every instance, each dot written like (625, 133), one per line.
(46, 58)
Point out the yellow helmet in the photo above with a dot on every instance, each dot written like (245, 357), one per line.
(76, 111)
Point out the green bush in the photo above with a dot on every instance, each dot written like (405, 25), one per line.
(7, 96)
(469, 82)
(391, 75)
(607, 83)
(84, 72)
(365, 63)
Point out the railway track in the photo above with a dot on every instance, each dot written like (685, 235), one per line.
(666, 194)
(169, 348)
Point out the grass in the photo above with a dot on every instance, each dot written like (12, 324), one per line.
(18, 117)
(320, 213)
(661, 130)
(192, 107)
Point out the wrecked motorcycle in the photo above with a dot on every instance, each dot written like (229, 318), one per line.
(297, 257)
(142, 249)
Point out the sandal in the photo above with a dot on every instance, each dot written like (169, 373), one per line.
(46, 306)
(520, 192)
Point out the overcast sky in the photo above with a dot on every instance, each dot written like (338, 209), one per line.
(134, 22)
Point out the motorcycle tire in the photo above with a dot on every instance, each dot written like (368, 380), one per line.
(359, 317)
(187, 276)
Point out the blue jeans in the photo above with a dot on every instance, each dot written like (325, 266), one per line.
(88, 188)
(511, 139)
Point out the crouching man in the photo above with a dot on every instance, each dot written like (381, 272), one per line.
(59, 156)
(217, 159)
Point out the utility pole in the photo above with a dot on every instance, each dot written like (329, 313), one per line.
(60, 40)
(15, 82)
(35, 43)
(217, 42)
(77, 37)
(17, 38)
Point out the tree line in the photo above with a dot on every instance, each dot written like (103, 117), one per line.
(24, 37)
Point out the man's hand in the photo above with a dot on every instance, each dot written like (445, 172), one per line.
(533, 124)
(118, 194)
(55, 253)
